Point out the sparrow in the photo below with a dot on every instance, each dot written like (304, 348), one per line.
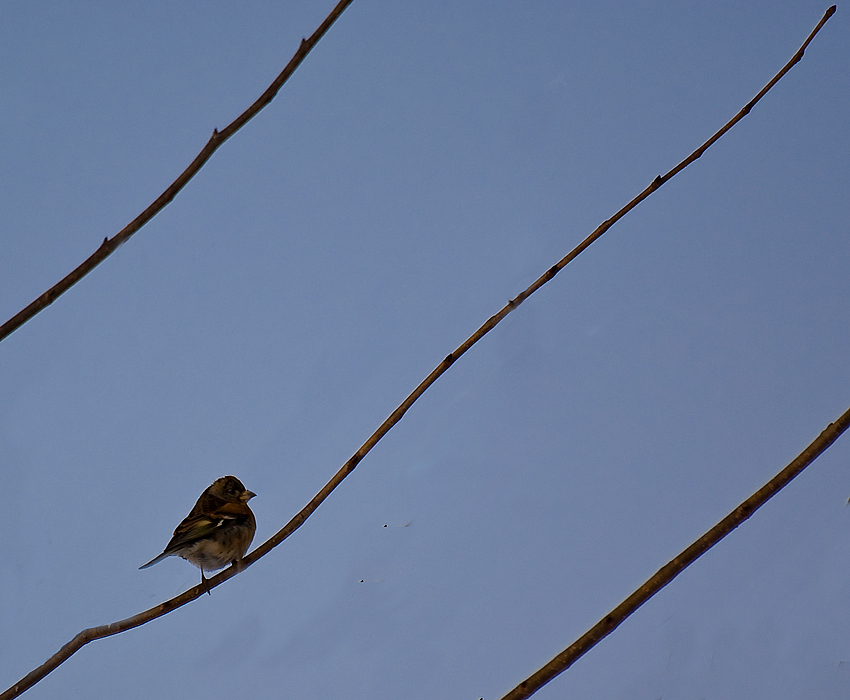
(218, 531)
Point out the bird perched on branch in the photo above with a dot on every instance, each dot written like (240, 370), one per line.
(218, 531)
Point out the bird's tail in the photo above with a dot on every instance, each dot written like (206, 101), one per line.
(155, 560)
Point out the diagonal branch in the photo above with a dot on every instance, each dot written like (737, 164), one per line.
(110, 245)
(679, 563)
(93, 633)
(491, 322)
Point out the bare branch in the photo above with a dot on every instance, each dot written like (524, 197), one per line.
(660, 579)
(110, 245)
(491, 322)
(679, 563)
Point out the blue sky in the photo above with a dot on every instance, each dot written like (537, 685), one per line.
(424, 165)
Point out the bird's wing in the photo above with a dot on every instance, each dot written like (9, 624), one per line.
(198, 525)
(202, 525)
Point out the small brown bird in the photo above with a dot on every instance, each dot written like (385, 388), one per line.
(218, 531)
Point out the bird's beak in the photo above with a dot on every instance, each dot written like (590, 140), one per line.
(247, 496)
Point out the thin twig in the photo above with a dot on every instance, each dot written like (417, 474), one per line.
(491, 323)
(679, 563)
(110, 245)
(93, 633)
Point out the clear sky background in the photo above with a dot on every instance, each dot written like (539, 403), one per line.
(424, 165)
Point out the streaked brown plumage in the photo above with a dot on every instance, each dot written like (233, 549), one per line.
(218, 531)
